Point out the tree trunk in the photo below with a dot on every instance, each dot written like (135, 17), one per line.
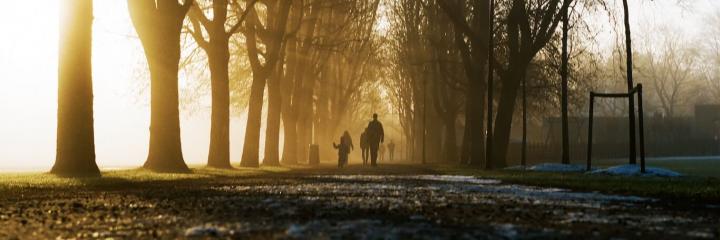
(219, 154)
(506, 108)
(450, 139)
(75, 156)
(630, 83)
(251, 148)
(289, 156)
(158, 26)
(564, 91)
(476, 94)
(272, 131)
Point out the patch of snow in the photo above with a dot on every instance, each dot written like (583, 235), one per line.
(634, 170)
(205, 231)
(557, 167)
(552, 195)
(439, 178)
(464, 184)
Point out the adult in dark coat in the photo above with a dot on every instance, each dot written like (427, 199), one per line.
(375, 135)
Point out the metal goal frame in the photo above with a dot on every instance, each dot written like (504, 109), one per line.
(636, 91)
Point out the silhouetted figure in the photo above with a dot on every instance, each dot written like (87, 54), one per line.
(364, 147)
(344, 149)
(391, 151)
(375, 135)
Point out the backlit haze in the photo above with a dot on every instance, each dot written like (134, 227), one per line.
(28, 93)
(28, 84)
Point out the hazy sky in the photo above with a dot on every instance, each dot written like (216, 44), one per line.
(28, 84)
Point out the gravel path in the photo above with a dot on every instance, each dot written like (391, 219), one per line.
(318, 205)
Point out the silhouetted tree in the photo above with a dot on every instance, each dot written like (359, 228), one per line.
(529, 26)
(630, 83)
(75, 154)
(217, 49)
(564, 89)
(271, 32)
(158, 24)
(298, 87)
(474, 52)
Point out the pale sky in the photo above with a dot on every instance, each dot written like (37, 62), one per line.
(28, 85)
(28, 91)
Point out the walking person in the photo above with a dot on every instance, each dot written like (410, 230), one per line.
(391, 151)
(365, 147)
(344, 149)
(375, 135)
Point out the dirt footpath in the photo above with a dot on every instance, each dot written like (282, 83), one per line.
(320, 204)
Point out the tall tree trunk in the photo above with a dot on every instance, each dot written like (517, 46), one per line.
(490, 85)
(564, 91)
(630, 83)
(261, 72)
(272, 131)
(251, 148)
(523, 150)
(506, 108)
(289, 156)
(158, 26)
(219, 58)
(450, 139)
(75, 156)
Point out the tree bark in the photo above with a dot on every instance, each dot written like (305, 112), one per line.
(218, 59)
(273, 44)
(272, 131)
(564, 91)
(251, 148)
(158, 26)
(630, 83)
(75, 153)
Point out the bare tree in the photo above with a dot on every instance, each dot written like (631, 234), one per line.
(670, 71)
(159, 24)
(217, 48)
(530, 26)
(271, 32)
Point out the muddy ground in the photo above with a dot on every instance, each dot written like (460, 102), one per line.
(352, 203)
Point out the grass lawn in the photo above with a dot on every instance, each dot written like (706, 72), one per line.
(693, 166)
(692, 189)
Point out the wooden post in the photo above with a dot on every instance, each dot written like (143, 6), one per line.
(590, 128)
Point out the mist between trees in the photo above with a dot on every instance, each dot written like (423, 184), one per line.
(304, 71)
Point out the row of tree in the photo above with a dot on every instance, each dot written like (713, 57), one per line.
(314, 58)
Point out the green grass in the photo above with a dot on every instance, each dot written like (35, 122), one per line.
(693, 189)
(130, 176)
(684, 189)
(706, 167)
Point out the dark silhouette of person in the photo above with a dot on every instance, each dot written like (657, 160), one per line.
(391, 151)
(365, 147)
(344, 149)
(375, 135)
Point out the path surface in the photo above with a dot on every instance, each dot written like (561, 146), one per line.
(322, 204)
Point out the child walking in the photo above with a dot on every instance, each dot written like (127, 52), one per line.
(344, 149)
